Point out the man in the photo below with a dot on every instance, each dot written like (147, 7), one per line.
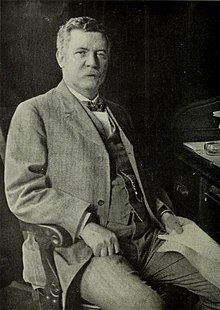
(70, 161)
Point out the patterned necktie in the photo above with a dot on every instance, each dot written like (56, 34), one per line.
(98, 106)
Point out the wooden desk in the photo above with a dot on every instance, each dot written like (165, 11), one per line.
(195, 189)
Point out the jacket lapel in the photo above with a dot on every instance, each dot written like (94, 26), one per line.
(75, 114)
(127, 144)
(125, 140)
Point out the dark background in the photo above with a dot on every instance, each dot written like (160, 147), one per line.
(165, 55)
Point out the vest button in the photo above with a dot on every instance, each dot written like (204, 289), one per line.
(101, 202)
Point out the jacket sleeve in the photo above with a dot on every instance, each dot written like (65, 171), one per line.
(160, 200)
(29, 193)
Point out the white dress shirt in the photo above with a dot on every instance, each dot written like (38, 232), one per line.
(103, 117)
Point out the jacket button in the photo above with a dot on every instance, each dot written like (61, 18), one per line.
(101, 202)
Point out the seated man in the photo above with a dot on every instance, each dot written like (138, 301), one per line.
(70, 161)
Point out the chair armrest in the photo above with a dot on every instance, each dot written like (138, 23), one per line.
(56, 235)
(48, 238)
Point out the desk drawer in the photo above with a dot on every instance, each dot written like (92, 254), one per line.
(210, 216)
(186, 192)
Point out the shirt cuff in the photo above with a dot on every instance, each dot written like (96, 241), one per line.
(83, 223)
(164, 209)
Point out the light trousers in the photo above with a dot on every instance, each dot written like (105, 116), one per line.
(113, 283)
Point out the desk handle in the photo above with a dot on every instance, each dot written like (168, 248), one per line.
(181, 189)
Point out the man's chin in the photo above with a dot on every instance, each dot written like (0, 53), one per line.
(88, 90)
(92, 85)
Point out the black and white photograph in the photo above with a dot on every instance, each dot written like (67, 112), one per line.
(110, 155)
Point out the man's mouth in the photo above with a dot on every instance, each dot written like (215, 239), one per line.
(95, 75)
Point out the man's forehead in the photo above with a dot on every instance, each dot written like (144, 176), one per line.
(80, 37)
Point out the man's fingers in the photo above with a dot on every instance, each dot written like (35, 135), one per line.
(116, 246)
(168, 230)
(102, 241)
(174, 226)
(104, 251)
(178, 228)
(97, 250)
(111, 248)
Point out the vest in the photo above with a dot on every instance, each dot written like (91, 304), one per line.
(127, 215)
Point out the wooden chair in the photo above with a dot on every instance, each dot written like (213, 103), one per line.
(48, 237)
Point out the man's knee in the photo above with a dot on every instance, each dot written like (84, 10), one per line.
(112, 283)
(144, 298)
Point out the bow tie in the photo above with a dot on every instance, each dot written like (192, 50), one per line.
(98, 106)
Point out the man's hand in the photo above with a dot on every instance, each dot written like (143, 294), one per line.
(102, 241)
(171, 222)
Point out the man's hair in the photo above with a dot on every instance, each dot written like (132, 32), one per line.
(84, 23)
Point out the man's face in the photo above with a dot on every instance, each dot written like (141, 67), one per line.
(84, 61)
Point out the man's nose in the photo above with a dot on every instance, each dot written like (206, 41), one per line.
(92, 60)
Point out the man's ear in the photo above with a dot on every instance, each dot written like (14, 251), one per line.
(60, 59)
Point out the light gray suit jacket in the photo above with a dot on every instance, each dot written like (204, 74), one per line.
(56, 167)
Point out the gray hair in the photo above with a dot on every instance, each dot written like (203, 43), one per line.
(84, 23)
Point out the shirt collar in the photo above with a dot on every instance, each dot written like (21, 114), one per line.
(80, 97)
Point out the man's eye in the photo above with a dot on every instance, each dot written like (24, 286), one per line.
(101, 54)
(81, 53)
